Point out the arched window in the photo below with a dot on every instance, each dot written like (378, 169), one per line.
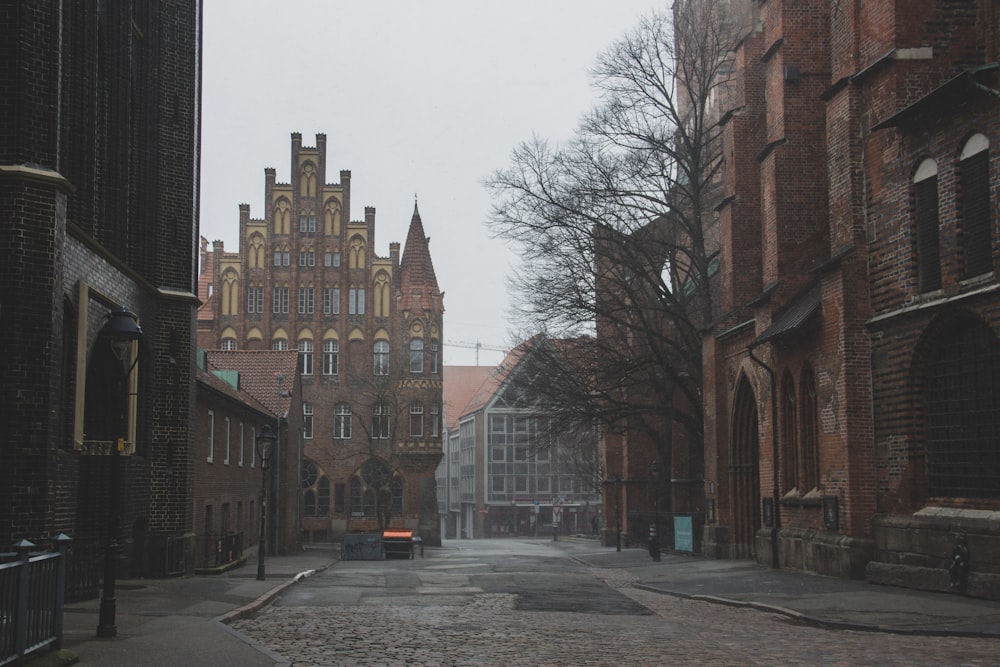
(307, 180)
(331, 218)
(376, 491)
(230, 293)
(381, 295)
(282, 216)
(974, 171)
(925, 202)
(256, 255)
(810, 432)
(357, 253)
(416, 355)
(316, 491)
(381, 354)
(789, 441)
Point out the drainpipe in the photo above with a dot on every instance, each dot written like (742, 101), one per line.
(776, 490)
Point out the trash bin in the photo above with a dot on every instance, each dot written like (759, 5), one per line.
(397, 543)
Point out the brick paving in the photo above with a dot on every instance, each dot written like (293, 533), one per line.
(486, 628)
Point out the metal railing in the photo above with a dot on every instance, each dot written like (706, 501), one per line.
(32, 595)
(228, 548)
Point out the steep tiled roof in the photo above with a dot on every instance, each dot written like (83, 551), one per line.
(259, 370)
(417, 282)
(210, 379)
(461, 384)
(488, 389)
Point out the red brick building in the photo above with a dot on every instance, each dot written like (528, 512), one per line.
(238, 393)
(368, 331)
(851, 384)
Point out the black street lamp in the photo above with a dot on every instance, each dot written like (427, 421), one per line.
(654, 538)
(265, 445)
(120, 331)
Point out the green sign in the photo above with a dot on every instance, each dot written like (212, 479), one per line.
(683, 535)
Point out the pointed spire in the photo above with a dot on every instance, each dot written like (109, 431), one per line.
(417, 281)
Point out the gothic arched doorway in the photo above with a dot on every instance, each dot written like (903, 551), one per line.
(744, 479)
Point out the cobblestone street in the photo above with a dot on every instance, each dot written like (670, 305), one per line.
(447, 617)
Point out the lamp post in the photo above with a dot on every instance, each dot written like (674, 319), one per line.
(120, 331)
(265, 444)
(654, 539)
(618, 512)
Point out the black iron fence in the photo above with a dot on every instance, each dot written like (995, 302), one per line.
(32, 595)
(226, 549)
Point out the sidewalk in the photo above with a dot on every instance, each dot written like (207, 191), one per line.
(824, 601)
(182, 621)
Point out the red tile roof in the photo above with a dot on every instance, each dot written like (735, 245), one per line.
(210, 379)
(461, 384)
(259, 371)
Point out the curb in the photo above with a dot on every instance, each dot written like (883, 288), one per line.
(250, 608)
(816, 621)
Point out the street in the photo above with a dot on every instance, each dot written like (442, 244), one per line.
(533, 602)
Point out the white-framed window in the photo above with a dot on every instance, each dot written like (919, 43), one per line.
(306, 357)
(331, 357)
(255, 299)
(242, 443)
(435, 420)
(211, 436)
(279, 300)
(416, 420)
(226, 461)
(381, 357)
(356, 301)
(416, 355)
(435, 358)
(306, 303)
(253, 449)
(342, 421)
(307, 421)
(380, 422)
(228, 343)
(279, 344)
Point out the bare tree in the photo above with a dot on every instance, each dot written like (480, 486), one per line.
(380, 403)
(617, 229)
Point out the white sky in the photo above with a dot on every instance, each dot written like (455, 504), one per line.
(424, 97)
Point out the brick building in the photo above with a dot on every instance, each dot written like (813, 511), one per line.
(851, 388)
(99, 149)
(368, 331)
(240, 391)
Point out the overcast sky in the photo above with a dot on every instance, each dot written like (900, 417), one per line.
(416, 97)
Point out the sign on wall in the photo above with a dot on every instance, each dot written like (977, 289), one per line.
(683, 534)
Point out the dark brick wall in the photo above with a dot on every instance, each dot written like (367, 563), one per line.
(98, 171)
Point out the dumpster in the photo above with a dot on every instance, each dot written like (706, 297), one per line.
(397, 543)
